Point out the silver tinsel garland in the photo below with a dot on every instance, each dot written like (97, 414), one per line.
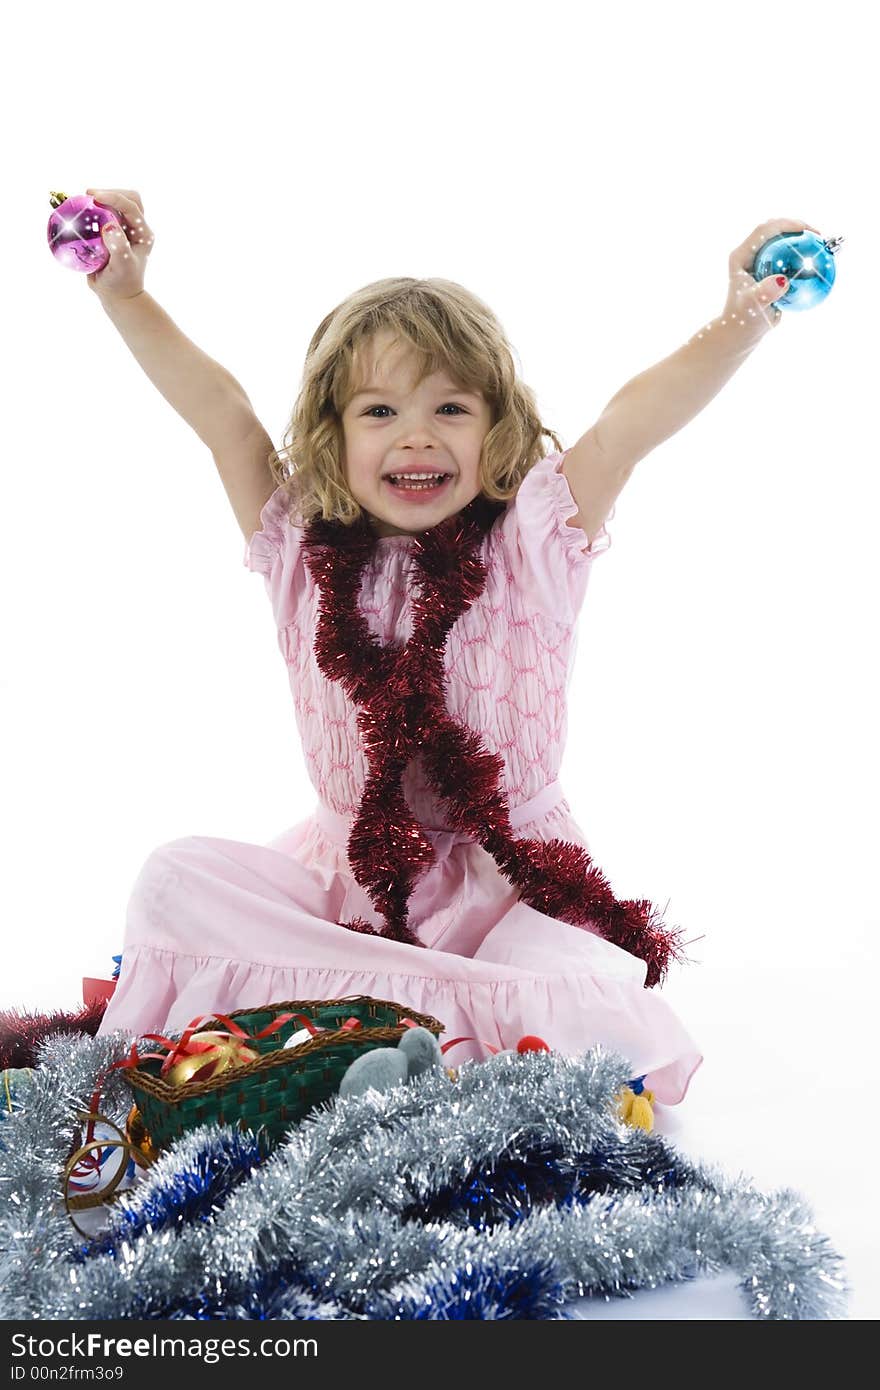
(329, 1225)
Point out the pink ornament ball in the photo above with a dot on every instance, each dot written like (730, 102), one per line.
(75, 233)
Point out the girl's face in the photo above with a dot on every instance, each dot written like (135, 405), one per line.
(434, 428)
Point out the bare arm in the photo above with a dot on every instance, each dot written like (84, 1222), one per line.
(660, 401)
(208, 397)
(646, 411)
(203, 392)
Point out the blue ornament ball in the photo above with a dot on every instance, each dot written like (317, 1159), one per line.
(808, 263)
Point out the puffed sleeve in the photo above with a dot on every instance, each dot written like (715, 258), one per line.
(275, 552)
(550, 560)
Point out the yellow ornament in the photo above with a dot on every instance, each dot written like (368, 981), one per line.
(223, 1053)
(144, 1151)
(636, 1111)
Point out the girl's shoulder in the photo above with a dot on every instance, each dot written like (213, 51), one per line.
(274, 532)
(275, 552)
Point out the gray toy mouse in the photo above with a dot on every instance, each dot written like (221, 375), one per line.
(383, 1067)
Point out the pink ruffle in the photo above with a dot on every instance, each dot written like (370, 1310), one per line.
(266, 544)
(162, 990)
(548, 561)
(564, 506)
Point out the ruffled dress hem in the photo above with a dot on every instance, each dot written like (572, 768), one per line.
(164, 990)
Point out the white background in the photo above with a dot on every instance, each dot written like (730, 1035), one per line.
(587, 172)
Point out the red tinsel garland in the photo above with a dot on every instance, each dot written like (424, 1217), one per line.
(400, 691)
(21, 1031)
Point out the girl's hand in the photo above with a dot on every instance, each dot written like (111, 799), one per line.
(750, 311)
(123, 275)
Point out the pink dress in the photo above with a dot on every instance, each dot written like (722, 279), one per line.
(216, 924)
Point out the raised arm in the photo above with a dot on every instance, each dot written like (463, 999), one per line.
(204, 394)
(661, 400)
(646, 411)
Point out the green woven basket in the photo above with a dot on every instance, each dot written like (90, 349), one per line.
(283, 1086)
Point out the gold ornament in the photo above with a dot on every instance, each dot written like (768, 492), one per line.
(144, 1151)
(223, 1053)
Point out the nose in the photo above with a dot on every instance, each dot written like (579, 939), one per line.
(415, 452)
(416, 431)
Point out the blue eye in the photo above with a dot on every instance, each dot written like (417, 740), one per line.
(442, 407)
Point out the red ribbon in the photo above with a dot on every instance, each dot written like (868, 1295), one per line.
(91, 1162)
(452, 1042)
(315, 1029)
(526, 1038)
(187, 1045)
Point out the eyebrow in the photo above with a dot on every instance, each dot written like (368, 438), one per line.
(388, 391)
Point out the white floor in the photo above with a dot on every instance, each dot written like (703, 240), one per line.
(788, 1094)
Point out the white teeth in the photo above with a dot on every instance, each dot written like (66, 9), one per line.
(415, 477)
(411, 482)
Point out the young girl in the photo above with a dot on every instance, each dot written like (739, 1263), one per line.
(426, 562)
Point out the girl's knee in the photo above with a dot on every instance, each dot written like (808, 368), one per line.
(162, 878)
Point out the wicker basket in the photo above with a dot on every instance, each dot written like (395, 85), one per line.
(284, 1085)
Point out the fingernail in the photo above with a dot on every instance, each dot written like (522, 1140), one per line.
(781, 280)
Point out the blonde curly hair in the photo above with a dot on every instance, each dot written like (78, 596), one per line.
(447, 328)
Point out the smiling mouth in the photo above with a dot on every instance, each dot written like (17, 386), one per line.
(400, 483)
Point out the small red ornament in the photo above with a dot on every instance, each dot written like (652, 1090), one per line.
(529, 1043)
